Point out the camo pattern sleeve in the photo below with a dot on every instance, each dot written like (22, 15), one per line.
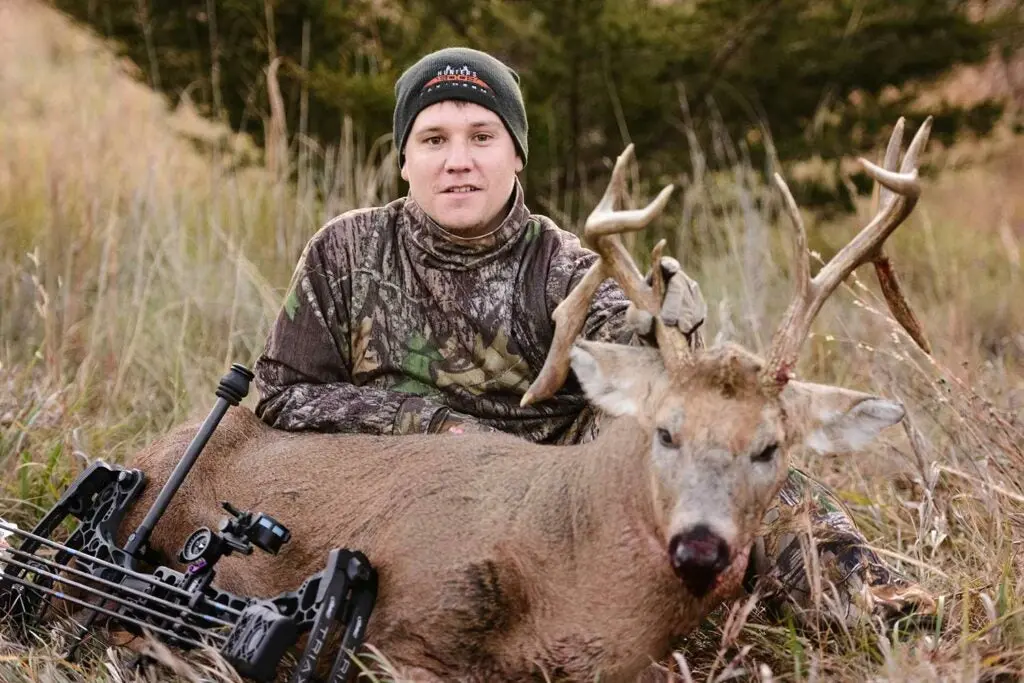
(303, 374)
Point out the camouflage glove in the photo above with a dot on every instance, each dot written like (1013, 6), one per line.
(683, 305)
(447, 421)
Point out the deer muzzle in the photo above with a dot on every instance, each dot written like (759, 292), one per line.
(698, 557)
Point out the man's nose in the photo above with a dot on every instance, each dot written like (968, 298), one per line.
(459, 156)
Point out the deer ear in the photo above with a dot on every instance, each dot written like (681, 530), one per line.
(618, 379)
(837, 420)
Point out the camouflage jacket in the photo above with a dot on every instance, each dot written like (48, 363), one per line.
(390, 322)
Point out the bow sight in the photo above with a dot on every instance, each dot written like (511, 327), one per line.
(204, 547)
(130, 587)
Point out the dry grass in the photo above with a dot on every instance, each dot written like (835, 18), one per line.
(141, 252)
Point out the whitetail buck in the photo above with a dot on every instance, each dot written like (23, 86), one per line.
(499, 559)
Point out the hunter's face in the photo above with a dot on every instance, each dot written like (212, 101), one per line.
(461, 164)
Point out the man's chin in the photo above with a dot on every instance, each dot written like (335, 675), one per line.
(461, 224)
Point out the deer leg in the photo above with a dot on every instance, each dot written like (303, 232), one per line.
(462, 613)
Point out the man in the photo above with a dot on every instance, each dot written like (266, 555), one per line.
(433, 313)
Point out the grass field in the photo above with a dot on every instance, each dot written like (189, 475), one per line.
(141, 252)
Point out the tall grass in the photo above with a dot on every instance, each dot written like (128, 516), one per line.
(134, 267)
(143, 249)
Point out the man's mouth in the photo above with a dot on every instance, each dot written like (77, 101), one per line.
(461, 189)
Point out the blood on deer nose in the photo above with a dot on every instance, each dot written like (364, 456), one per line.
(698, 557)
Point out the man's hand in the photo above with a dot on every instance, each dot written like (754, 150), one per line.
(683, 305)
(450, 422)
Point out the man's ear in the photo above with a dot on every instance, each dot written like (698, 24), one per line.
(405, 171)
(836, 420)
(519, 163)
(618, 379)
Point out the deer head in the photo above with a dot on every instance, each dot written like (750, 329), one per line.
(722, 421)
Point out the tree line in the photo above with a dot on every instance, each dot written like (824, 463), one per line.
(779, 79)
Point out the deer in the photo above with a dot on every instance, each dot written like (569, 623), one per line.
(500, 559)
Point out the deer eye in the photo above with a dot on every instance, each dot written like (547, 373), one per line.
(766, 455)
(665, 438)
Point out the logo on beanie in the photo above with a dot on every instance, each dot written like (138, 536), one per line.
(463, 76)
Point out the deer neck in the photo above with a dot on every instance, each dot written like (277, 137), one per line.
(603, 534)
(594, 502)
(588, 492)
(614, 477)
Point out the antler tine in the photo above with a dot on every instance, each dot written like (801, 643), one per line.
(606, 220)
(802, 266)
(892, 159)
(606, 223)
(888, 282)
(568, 317)
(601, 232)
(811, 294)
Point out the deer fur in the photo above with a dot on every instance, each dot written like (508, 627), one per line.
(500, 559)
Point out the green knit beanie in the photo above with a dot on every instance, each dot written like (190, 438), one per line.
(460, 73)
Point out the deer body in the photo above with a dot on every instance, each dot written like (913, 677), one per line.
(499, 558)
(496, 557)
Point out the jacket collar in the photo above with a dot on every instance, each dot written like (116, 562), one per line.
(446, 248)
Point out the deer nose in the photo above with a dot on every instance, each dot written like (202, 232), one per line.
(698, 557)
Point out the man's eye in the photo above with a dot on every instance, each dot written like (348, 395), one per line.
(434, 141)
(766, 455)
(482, 137)
(665, 438)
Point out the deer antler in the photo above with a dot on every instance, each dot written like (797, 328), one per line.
(601, 232)
(887, 280)
(897, 200)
